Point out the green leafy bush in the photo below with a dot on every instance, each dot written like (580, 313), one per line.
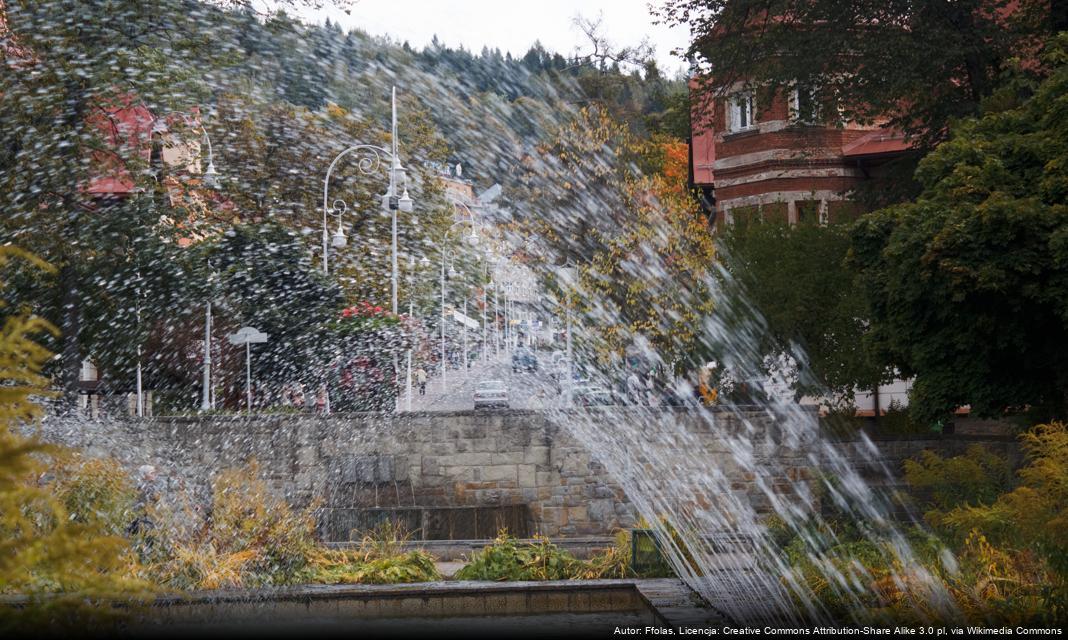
(413, 566)
(977, 477)
(380, 559)
(508, 559)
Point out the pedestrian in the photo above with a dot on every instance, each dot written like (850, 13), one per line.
(420, 377)
(634, 388)
(652, 389)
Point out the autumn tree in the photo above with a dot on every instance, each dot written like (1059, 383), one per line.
(616, 207)
(57, 560)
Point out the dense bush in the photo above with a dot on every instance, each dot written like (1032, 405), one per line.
(61, 556)
(1031, 518)
(976, 477)
(95, 491)
(1007, 556)
(508, 559)
(251, 538)
(380, 559)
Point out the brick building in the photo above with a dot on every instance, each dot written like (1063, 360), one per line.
(783, 160)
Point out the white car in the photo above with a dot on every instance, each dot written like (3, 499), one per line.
(592, 396)
(491, 393)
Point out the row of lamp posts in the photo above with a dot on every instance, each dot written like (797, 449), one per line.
(393, 202)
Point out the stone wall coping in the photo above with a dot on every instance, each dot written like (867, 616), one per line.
(307, 592)
(728, 409)
(921, 438)
(485, 542)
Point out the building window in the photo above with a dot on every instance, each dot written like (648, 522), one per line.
(808, 211)
(741, 112)
(804, 104)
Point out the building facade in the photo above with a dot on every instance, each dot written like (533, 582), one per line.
(782, 159)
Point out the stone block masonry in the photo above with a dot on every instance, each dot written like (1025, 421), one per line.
(355, 463)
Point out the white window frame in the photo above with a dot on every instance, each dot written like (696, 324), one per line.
(741, 104)
(795, 105)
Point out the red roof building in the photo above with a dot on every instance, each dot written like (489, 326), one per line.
(783, 160)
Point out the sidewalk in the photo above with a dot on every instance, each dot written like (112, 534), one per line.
(458, 389)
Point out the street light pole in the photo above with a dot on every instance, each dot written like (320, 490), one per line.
(443, 250)
(570, 360)
(205, 398)
(411, 308)
(390, 201)
(444, 362)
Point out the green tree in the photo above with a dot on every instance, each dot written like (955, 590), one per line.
(796, 277)
(921, 65)
(967, 288)
(60, 80)
(266, 280)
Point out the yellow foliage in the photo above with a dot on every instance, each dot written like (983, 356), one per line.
(252, 538)
(43, 551)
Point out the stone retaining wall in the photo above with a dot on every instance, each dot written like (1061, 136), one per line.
(356, 463)
(360, 461)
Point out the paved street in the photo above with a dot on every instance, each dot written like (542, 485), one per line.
(525, 390)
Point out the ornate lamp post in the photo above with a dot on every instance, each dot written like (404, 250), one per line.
(211, 181)
(424, 262)
(369, 164)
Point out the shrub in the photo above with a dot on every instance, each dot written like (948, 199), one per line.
(613, 562)
(977, 477)
(413, 566)
(251, 539)
(43, 550)
(1034, 515)
(95, 492)
(507, 559)
(380, 559)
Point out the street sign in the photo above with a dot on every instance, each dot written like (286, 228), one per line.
(247, 336)
(465, 320)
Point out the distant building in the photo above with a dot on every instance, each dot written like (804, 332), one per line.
(786, 161)
(783, 160)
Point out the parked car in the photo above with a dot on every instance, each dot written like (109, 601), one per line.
(491, 393)
(593, 396)
(525, 360)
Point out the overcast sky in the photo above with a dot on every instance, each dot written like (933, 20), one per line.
(509, 25)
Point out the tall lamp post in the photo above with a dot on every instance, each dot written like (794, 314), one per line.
(568, 271)
(424, 262)
(206, 403)
(369, 164)
(211, 181)
(472, 239)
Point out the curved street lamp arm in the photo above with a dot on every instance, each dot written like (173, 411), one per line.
(367, 166)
